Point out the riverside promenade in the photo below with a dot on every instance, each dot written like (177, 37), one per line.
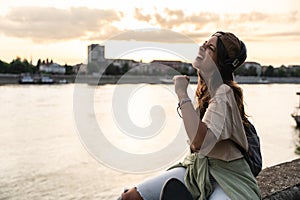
(134, 79)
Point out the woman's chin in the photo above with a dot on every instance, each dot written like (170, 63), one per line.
(196, 65)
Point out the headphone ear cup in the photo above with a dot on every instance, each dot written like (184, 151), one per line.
(229, 63)
(234, 63)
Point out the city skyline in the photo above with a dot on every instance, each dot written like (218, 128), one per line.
(62, 30)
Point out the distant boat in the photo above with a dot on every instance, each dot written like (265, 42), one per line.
(263, 81)
(168, 80)
(26, 79)
(46, 80)
(62, 81)
(296, 114)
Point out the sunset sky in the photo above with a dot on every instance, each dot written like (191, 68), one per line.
(62, 30)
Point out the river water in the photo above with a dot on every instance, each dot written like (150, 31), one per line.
(42, 155)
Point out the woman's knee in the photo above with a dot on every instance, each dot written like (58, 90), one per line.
(131, 194)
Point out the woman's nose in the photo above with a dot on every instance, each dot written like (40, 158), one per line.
(202, 48)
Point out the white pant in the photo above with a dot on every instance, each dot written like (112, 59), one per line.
(151, 188)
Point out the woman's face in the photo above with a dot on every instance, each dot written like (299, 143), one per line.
(210, 47)
(207, 54)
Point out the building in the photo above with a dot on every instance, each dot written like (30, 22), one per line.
(98, 62)
(121, 62)
(53, 68)
(176, 65)
(149, 69)
(96, 53)
(294, 68)
(96, 56)
(80, 68)
(255, 65)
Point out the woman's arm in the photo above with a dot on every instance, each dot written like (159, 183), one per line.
(195, 128)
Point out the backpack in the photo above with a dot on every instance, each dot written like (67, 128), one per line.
(253, 155)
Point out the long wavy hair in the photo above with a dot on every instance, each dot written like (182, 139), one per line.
(202, 93)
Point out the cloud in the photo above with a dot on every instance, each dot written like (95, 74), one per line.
(142, 17)
(282, 34)
(176, 18)
(47, 24)
(249, 25)
(158, 35)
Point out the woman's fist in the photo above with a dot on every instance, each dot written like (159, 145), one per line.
(181, 83)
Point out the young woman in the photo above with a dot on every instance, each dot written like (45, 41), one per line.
(215, 168)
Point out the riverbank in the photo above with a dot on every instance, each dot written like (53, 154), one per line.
(134, 79)
(280, 181)
(266, 80)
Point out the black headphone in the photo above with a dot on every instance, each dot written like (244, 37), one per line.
(235, 62)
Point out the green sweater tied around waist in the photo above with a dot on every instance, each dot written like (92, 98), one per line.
(234, 177)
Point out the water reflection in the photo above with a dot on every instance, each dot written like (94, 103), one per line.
(42, 158)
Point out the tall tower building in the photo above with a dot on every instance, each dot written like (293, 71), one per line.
(96, 56)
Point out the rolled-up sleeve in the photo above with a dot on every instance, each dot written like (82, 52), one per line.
(215, 117)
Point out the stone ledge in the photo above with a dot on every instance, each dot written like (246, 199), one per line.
(280, 181)
(292, 193)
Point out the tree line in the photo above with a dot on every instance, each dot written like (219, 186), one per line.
(269, 71)
(18, 66)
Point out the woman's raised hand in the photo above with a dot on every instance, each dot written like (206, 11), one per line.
(181, 83)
